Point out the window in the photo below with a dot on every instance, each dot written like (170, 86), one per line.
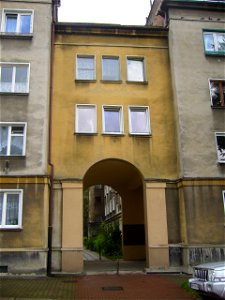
(135, 69)
(110, 68)
(11, 208)
(12, 139)
(214, 42)
(112, 119)
(223, 200)
(220, 143)
(85, 118)
(17, 22)
(85, 67)
(217, 92)
(139, 120)
(14, 78)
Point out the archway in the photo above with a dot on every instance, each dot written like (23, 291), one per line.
(128, 182)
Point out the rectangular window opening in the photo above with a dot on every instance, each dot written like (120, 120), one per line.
(86, 121)
(217, 92)
(139, 120)
(11, 208)
(214, 42)
(136, 69)
(18, 22)
(12, 139)
(85, 67)
(112, 120)
(14, 78)
(110, 68)
(220, 144)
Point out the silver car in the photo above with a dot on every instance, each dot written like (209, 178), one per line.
(209, 279)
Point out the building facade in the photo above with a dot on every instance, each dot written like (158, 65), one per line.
(197, 51)
(113, 113)
(25, 39)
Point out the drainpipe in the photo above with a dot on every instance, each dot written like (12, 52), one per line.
(49, 258)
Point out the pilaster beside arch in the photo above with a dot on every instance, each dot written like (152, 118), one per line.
(157, 249)
(72, 227)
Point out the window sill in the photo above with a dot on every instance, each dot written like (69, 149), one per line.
(12, 157)
(112, 81)
(113, 134)
(142, 135)
(14, 94)
(137, 82)
(215, 53)
(22, 36)
(85, 80)
(217, 107)
(11, 229)
(86, 133)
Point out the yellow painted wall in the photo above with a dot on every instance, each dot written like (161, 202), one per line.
(72, 154)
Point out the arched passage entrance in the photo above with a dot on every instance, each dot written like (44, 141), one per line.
(128, 182)
(145, 234)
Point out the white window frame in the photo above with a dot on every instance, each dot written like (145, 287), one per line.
(215, 41)
(137, 58)
(219, 134)
(210, 90)
(92, 106)
(147, 113)
(20, 210)
(223, 194)
(119, 67)
(17, 12)
(94, 71)
(10, 135)
(14, 65)
(118, 108)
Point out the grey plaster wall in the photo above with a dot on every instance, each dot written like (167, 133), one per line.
(196, 121)
(32, 108)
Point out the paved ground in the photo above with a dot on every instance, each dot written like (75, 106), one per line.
(95, 287)
(130, 287)
(130, 284)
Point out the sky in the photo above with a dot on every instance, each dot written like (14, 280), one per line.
(124, 12)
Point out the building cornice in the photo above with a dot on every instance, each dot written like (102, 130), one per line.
(110, 30)
(209, 5)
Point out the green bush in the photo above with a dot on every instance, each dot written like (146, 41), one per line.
(107, 242)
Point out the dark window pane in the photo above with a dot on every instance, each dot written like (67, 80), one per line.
(11, 21)
(12, 209)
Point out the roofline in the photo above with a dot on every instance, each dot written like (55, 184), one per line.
(213, 5)
(109, 29)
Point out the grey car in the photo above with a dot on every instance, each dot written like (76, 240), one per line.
(209, 279)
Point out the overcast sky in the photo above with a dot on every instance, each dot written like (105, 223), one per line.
(124, 12)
